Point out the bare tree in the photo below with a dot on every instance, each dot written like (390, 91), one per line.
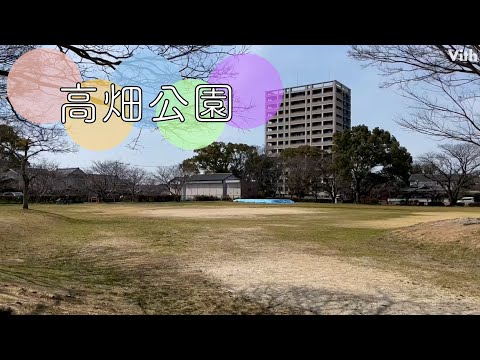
(194, 61)
(329, 175)
(302, 171)
(105, 178)
(134, 177)
(263, 173)
(454, 168)
(43, 179)
(442, 81)
(24, 142)
(174, 177)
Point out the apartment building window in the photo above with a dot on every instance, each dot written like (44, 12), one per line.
(299, 102)
(328, 98)
(328, 90)
(296, 94)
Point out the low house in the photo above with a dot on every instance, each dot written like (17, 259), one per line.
(421, 181)
(10, 180)
(423, 191)
(219, 185)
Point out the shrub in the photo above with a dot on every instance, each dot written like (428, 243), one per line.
(157, 198)
(7, 199)
(474, 204)
(205, 198)
(435, 203)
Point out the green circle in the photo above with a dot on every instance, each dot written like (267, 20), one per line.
(190, 134)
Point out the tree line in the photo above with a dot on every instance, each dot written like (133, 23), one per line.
(363, 166)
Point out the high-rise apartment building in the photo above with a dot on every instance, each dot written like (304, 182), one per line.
(308, 115)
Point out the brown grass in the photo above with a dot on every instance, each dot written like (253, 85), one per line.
(221, 258)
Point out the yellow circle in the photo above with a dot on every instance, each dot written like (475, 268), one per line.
(98, 135)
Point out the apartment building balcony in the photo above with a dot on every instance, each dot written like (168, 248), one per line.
(296, 145)
(317, 111)
(297, 122)
(297, 136)
(276, 131)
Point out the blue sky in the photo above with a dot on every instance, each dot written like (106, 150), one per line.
(297, 65)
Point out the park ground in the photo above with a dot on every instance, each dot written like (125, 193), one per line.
(228, 258)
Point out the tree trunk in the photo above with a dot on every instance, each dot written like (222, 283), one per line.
(333, 196)
(452, 198)
(357, 191)
(333, 193)
(26, 187)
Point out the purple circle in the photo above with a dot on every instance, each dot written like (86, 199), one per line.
(252, 78)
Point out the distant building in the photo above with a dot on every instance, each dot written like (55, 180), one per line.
(308, 115)
(220, 185)
(9, 180)
(423, 190)
(420, 181)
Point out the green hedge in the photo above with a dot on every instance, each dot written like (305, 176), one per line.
(206, 198)
(157, 198)
(10, 199)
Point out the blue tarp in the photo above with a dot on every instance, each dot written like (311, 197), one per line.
(265, 201)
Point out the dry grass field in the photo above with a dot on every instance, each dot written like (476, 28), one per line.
(226, 258)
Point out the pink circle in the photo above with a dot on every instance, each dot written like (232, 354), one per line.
(256, 86)
(34, 82)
